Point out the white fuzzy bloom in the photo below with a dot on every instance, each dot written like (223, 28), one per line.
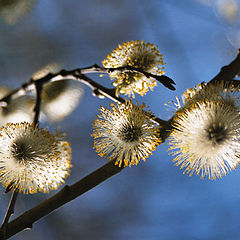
(60, 98)
(125, 133)
(206, 135)
(32, 159)
(138, 54)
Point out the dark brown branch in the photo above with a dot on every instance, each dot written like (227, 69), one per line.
(111, 95)
(228, 72)
(165, 80)
(67, 194)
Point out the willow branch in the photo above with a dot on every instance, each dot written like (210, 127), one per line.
(76, 75)
(111, 95)
(229, 72)
(67, 194)
(163, 79)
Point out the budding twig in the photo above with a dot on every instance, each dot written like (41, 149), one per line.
(78, 75)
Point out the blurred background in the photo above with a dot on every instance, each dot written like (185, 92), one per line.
(153, 200)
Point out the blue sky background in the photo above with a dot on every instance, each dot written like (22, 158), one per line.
(153, 200)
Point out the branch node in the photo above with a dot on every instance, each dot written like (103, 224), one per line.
(28, 226)
(96, 93)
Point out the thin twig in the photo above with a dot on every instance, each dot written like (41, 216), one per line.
(10, 209)
(165, 80)
(111, 95)
(76, 75)
(38, 86)
(64, 74)
(9, 212)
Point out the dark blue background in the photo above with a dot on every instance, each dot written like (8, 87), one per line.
(153, 200)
